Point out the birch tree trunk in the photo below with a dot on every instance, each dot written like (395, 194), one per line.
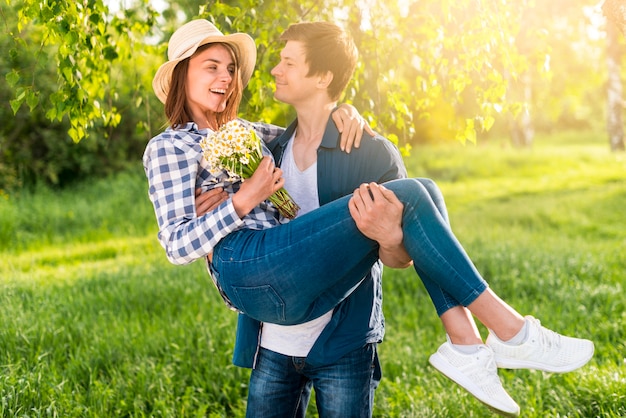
(615, 127)
(521, 127)
(615, 11)
(526, 120)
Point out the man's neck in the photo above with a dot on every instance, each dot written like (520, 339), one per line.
(312, 119)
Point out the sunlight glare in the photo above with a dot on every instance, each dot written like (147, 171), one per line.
(366, 6)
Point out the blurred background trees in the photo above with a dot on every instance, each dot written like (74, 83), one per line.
(76, 78)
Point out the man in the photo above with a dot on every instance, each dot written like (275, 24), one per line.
(336, 353)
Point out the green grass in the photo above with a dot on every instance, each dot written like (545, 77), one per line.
(96, 323)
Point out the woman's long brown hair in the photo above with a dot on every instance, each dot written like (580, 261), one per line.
(176, 109)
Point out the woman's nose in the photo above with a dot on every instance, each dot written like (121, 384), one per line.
(226, 75)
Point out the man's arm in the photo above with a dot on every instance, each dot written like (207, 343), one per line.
(378, 215)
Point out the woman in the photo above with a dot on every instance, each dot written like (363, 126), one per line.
(292, 272)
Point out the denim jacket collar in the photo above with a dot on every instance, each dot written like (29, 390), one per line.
(330, 139)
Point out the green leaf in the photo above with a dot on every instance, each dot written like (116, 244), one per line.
(32, 99)
(70, 38)
(94, 18)
(67, 73)
(52, 113)
(12, 78)
(73, 133)
(20, 94)
(488, 122)
(110, 53)
(15, 105)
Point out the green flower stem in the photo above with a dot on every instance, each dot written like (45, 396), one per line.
(281, 199)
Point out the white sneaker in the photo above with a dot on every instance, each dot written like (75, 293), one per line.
(477, 373)
(543, 350)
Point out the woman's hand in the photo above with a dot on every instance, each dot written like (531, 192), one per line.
(266, 180)
(351, 125)
(209, 200)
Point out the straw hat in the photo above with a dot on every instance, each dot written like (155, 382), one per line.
(186, 40)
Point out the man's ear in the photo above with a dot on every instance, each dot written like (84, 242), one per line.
(325, 80)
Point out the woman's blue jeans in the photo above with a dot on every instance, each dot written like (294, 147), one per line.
(295, 272)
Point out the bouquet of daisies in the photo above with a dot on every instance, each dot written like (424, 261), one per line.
(236, 149)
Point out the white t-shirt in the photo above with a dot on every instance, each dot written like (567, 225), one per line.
(296, 340)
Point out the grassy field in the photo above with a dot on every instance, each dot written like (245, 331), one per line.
(96, 323)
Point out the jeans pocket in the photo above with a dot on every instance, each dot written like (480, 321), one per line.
(260, 302)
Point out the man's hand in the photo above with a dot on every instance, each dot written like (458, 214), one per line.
(207, 201)
(351, 125)
(377, 213)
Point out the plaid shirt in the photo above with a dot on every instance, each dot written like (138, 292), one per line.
(175, 167)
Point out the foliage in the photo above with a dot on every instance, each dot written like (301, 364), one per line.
(429, 70)
(97, 323)
(447, 47)
(35, 149)
(438, 73)
(86, 41)
(576, 45)
(441, 72)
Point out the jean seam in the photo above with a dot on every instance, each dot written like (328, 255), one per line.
(474, 292)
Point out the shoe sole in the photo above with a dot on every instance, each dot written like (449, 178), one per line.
(505, 363)
(450, 372)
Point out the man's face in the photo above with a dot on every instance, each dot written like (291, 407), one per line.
(292, 83)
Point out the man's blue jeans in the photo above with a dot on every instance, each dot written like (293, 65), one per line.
(295, 272)
(280, 386)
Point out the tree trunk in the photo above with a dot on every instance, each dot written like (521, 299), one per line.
(521, 127)
(615, 127)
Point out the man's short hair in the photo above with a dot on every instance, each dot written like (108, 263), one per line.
(327, 47)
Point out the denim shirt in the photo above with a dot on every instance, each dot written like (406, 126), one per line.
(357, 320)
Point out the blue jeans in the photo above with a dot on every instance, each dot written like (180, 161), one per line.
(280, 386)
(296, 272)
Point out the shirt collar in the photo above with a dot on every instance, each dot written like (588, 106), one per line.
(329, 140)
(189, 126)
(331, 134)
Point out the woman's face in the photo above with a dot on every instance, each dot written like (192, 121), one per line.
(209, 76)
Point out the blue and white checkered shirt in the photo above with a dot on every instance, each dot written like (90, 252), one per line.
(175, 167)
